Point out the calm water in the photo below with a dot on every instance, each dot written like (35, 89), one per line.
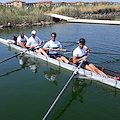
(28, 86)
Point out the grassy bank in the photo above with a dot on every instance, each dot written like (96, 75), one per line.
(21, 15)
(33, 15)
(77, 11)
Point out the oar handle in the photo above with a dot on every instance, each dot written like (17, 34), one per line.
(44, 41)
(64, 50)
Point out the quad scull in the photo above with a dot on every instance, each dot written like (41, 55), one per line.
(83, 73)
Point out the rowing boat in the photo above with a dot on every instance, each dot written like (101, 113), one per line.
(85, 74)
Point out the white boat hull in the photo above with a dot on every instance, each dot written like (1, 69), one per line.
(82, 72)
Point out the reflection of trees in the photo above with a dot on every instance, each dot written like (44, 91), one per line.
(77, 89)
(52, 74)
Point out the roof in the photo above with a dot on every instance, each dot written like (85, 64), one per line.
(15, 1)
(19, 1)
(100, 2)
(70, 2)
(9, 2)
(43, 2)
(57, 2)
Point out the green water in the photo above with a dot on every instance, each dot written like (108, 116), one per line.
(28, 86)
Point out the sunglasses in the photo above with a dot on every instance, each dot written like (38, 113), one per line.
(53, 36)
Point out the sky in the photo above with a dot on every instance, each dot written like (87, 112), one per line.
(32, 1)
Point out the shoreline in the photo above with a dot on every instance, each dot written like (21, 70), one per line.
(42, 23)
(105, 16)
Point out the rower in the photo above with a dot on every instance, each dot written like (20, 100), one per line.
(81, 53)
(53, 46)
(14, 41)
(22, 40)
(34, 41)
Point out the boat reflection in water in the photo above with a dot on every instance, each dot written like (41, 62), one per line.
(28, 62)
(52, 75)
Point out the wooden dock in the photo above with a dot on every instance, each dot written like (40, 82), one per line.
(89, 21)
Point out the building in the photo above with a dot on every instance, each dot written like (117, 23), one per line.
(16, 3)
(2, 4)
(42, 3)
(100, 2)
(80, 3)
(57, 3)
(9, 3)
(71, 3)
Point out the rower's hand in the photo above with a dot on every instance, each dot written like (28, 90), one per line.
(32, 46)
(58, 49)
(51, 49)
(85, 57)
(54, 49)
(87, 54)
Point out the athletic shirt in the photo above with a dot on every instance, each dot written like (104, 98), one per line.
(23, 40)
(33, 41)
(52, 44)
(79, 52)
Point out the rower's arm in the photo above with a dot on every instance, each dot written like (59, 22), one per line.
(60, 48)
(88, 50)
(75, 60)
(40, 43)
(47, 48)
(28, 46)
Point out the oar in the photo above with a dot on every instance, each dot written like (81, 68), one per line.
(62, 91)
(64, 50)
(15, 55)
(11, 57)
(105, 53)
(76, 42)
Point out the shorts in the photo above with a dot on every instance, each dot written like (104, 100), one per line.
(84, 64)
(54, 56)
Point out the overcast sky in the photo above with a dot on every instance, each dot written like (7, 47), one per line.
(3, 1)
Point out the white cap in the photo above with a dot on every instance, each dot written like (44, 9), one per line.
(33, 32)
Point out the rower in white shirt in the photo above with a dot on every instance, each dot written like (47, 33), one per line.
(34, 41)
(82, 53)
(54, 46)
(22, 40)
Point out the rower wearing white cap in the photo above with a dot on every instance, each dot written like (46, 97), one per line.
(34, 41)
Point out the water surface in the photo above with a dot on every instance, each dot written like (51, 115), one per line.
(28, 86)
